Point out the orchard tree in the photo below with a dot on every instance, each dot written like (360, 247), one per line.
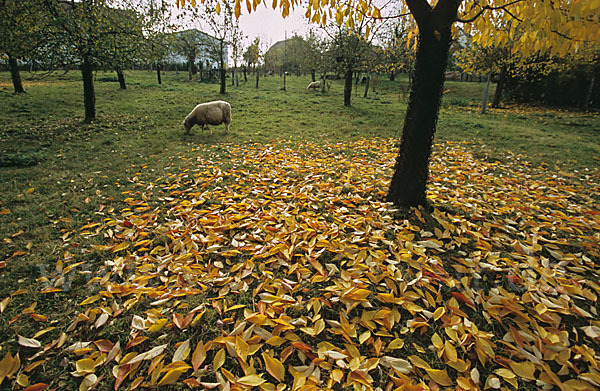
(94, 32)
(219, 21)
(559, 26)
(20, 39)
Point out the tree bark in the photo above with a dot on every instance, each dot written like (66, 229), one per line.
(411, 170)
(89, 96)
(486, 94)
(190, 70)
(499, 88)
(121, 78)
(158, 73)
(348, 84)
(588, 94)
(15, 75)
(257, 77)
(284, 80)
(392, 75)
(313, 74)
(367, 85)
(232, 77)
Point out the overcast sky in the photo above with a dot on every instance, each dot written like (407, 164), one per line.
(265, 23)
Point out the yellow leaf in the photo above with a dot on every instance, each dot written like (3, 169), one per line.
(88, 382)
(440, 376)
(219, 359)
(171, 377)
(218, 9)
(524, 370)
(4, 303)
(85, 365)
(182, 352)
(198, 356)
(120, 247)
(274, 367)
(90, 300)
(251, 380)
(22, 380)
(450, 351)
(241, 348)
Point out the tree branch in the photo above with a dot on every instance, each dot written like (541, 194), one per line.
(419, 10)
(490, 8)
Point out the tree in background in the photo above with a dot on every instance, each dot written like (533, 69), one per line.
(219, 21)
(188, 43)
(97, 35)
(20, 39)
(252, 53)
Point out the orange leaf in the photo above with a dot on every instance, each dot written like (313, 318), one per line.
(37, 387)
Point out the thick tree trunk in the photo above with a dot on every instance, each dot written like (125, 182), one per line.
(392, 75)
(89, 96)
(158, 73)
(486, 94)
(409, 181)
(499, 88)
(121, 78)
(190, 70)
(313, 74)
(15, 75)
(588, 94)
(367, 85)
(348, 84)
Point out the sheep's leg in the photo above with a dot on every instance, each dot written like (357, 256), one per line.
(227, 128)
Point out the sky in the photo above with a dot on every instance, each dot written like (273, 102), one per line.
(268, 24)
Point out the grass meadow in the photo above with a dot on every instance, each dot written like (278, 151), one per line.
(58, 174)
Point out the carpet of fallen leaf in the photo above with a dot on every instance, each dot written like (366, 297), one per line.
(280, 267)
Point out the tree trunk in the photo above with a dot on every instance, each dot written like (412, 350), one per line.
(411, 170)
(367, 85)
(15, 75)
(89, 96)
(284, 80)
(232, 77)
(190, 70)
(245, 74)
(486, 94)
(499, 88)
(348, 84)
(392, 75)
(223, 80)
(257, 77)
(158, 73)
(313, 74)
(588, 94)
(237, 79)
(121, 78)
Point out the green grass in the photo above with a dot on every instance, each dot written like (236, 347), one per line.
(57, 173)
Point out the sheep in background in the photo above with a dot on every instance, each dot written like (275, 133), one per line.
(314, 85)
(210, 113)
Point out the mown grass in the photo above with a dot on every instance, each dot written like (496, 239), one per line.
(57, 174)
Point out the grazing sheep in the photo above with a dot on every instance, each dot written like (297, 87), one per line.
(210, 113)
(315, 85)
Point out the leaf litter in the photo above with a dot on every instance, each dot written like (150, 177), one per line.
(280, 267)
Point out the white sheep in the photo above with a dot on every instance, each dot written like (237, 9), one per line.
(314, 84)
(211, 113)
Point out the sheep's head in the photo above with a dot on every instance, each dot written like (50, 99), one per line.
(187, 124)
